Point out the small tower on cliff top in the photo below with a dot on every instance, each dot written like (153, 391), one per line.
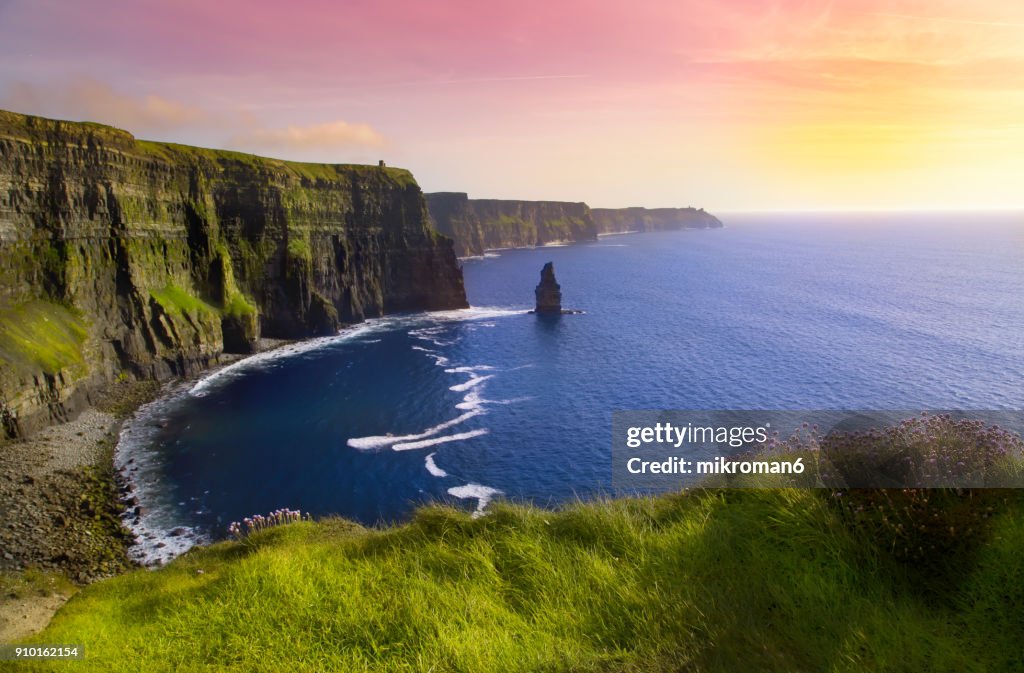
(549, 293)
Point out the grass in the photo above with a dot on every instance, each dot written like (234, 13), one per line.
(41, 335)
(298, 248)
(311, 172)
(33, 582)
(765, 580)
(177, 301)
(238, 305)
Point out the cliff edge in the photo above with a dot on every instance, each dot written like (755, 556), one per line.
(122, 258)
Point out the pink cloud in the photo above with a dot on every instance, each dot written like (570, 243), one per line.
(331, 135)
(91, 100)
(86, 99)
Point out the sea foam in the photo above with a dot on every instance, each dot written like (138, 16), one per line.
(432, 467)
(381, 441)
(482, 494)
(473, 382)
(426, 443)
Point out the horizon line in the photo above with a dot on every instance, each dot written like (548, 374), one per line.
(880, 210)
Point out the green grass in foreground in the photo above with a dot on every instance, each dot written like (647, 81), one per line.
(768, 580)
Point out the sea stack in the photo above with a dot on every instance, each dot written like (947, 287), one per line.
(549, 294)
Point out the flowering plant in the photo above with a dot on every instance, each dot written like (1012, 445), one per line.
(259, 522)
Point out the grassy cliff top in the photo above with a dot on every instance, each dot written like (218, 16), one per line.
(34, 129)
(765, 580)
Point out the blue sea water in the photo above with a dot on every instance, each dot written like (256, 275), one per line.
(818, 311)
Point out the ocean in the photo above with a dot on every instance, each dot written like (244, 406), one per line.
(807, 311)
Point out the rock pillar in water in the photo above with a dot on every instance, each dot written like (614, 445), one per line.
(549, 294)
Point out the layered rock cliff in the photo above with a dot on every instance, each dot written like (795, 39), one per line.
(620, 220)
(126, 258)
(477, 225)
(484, 224)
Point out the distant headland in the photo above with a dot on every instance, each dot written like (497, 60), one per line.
(477, 225)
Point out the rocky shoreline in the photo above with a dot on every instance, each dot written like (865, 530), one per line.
(60, 494)
(61, 498)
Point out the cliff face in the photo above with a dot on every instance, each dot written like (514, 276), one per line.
(477, 225)
(481, 224)
(619, 220)
(125, 258)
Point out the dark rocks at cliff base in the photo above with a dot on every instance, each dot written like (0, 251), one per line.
(549, 293)
(59, 499)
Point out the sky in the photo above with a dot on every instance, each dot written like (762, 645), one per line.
(732, 105)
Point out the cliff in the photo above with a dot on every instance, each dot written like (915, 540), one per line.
(483, 224)
(122, 258)
(477, 225)
(619, 220)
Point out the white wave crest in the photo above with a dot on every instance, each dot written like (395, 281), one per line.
(476, 313)
(381, 441)
(473, 382)
(159, 534)
(224, 374)
(439, 360)
(474, 401)
(432, 467)
(468, 370)
(482, 494)
(411, 446)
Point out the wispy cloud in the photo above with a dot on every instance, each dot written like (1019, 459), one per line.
(482, 80)
(85, 99)
(92, 100)
(331, 135)
(947, 19)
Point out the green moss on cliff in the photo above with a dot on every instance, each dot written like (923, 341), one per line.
(233, 301)
(42, 335)
(176, 301)
(561, 228)
(298, 248)
(239, 305)
(19, 127)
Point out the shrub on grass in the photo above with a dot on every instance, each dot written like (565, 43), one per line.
(950, 471)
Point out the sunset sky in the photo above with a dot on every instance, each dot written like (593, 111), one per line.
(731, 105)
